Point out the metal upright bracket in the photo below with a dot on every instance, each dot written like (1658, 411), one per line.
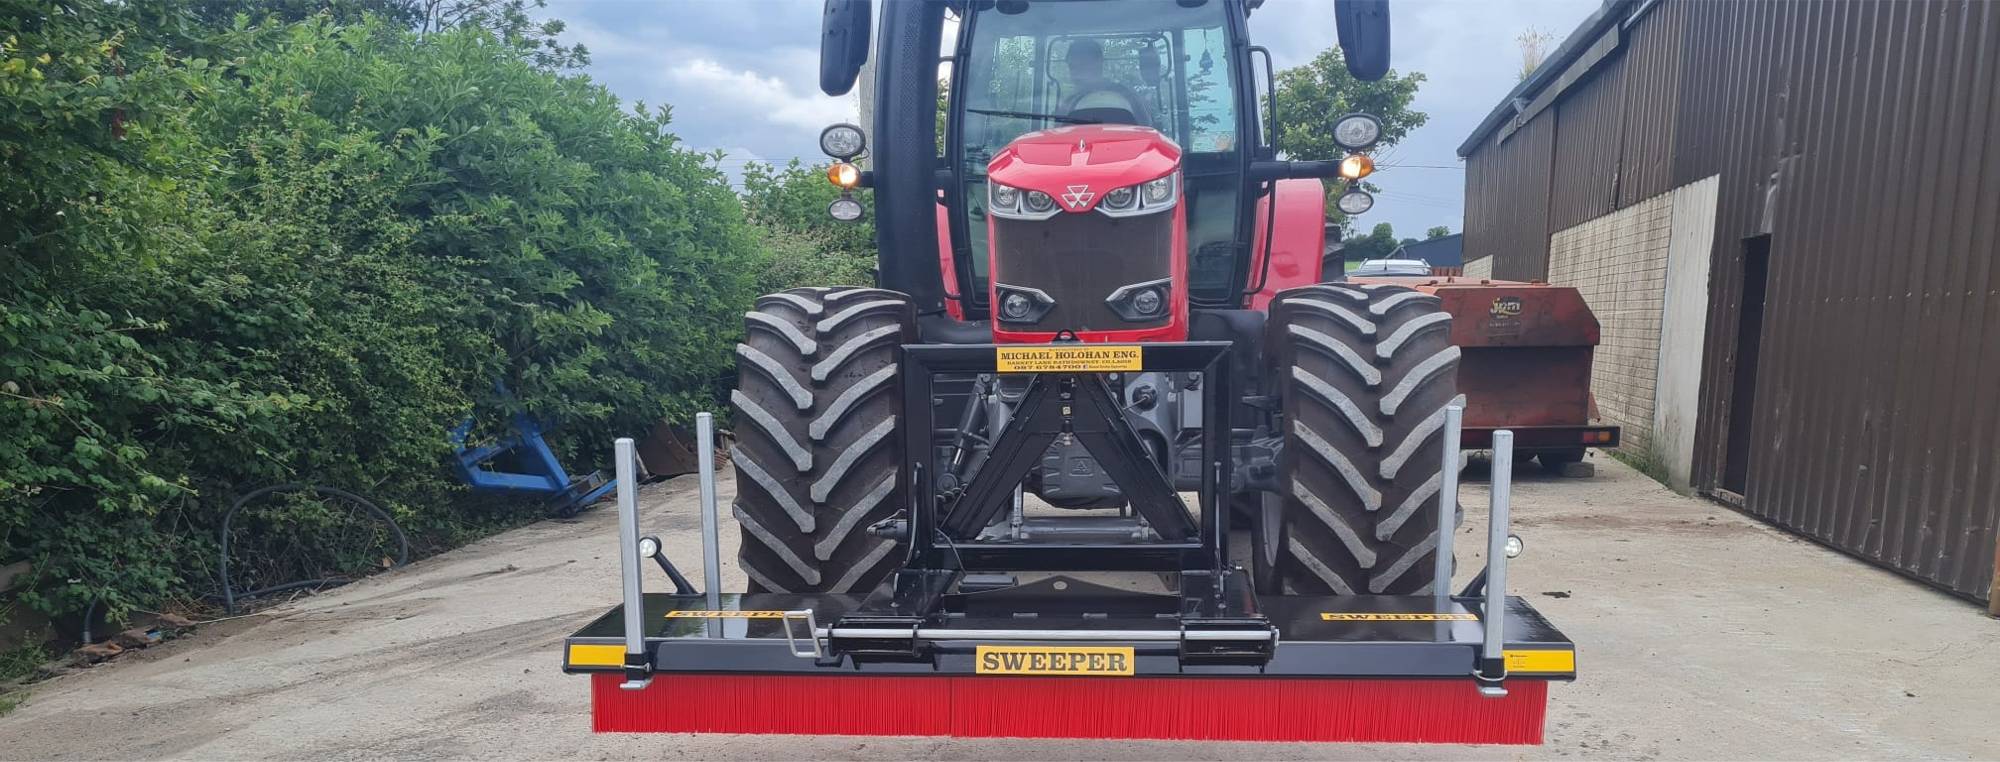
(1492, 667)
(1454, 421)
(638, 663)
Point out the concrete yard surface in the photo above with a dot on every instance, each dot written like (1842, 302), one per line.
(1701, 634)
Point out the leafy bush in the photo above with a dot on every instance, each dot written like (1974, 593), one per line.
(307, 255)
(803, 245)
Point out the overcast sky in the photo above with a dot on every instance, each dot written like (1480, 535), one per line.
(742, 76)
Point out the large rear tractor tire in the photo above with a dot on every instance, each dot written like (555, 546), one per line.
(817, 438)
(1363, 373)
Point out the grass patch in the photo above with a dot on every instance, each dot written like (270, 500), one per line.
(16, 665)
(23, 660)
(1645, 462)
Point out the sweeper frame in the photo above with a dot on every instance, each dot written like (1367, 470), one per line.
(951, 644)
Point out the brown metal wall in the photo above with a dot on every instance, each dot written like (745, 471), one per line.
(1651, 85)
(1507, 202)
(1859, 135)
(1590, 131)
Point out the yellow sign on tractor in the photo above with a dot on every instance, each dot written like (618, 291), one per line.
(1078, 358)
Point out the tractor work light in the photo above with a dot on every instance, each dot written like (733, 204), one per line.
(1355, 201)
(1021, 304)
(1016, 306)
(1356, 132)
(1143, 302)
(842, 141)
(1148, 302)
(1357, 166)
(843, 175)
(845, 208)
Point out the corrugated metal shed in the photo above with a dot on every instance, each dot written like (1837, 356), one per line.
(1859, 138)
(1507, 185)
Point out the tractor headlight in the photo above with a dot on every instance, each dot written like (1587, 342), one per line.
(1141, 302)
(1121, 198)
(1021, 304)
(1004, 198)
(1145, 198)
(1011, 203)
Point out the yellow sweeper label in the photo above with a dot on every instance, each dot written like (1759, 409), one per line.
(725, 615)
(596, 655)
(1054, 660)
(1339, 616)
(1541, 660)
(1069, 358)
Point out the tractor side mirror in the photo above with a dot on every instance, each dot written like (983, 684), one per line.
(1363, 28)
(843, 44)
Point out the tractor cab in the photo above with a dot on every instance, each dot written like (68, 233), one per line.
(1062, 91)
(1172, 81)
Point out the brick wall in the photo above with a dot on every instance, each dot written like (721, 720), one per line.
(1479, 269)
(1619, 264)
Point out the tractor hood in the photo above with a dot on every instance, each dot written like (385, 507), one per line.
(1076, 165)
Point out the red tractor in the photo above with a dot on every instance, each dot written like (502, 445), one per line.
(1106, 293)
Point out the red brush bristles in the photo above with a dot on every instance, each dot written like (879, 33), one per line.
(1190, 708)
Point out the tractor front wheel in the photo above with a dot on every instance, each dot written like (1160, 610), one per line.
(818, 445)
(1363, 374)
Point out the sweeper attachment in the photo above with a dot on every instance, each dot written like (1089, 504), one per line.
(945, 647)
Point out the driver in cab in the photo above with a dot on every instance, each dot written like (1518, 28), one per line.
(1097, 98)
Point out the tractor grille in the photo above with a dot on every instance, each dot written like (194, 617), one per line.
(1078, 260)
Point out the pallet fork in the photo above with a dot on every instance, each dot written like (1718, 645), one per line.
(931, 653)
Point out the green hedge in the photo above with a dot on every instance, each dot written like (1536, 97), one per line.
(303, 252)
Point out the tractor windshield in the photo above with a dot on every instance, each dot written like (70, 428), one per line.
(1031, 66)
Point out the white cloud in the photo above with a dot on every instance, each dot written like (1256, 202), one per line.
(759, 96)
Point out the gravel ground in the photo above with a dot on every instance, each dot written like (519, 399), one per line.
(1701, 635)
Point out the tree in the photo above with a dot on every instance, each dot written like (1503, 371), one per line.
(1436, 233)
(305, 255)
(1377, 244)
(1314, 96)
(510, 20)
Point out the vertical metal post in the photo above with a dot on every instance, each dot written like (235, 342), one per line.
(711, 552)
(637, 661)
(1492, 657)
(1447, 521)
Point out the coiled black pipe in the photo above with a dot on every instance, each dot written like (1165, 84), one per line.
(229, 595)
